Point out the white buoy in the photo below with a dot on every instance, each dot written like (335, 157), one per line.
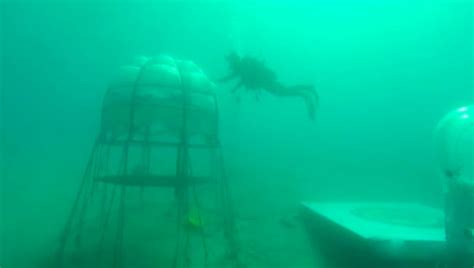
(454, 139)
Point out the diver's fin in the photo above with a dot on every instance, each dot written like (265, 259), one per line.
(309, 95)
(307, 92)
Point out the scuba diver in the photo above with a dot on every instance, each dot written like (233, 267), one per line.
(254, 75)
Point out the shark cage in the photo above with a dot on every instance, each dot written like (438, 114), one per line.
(158, 141)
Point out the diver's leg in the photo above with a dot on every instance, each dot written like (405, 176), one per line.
(307, 92)
(311, 98)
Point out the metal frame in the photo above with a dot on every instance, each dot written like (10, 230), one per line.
(183, 183)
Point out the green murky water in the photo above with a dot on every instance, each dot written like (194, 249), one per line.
(385, 71)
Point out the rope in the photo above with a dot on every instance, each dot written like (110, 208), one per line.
(105, 224)
(69, 222)
(179, 220)
(117, 260)
(118, 256)
(230, 230)
(201, 230)
(90, 193)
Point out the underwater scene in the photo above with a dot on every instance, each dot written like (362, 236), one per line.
(240, 134)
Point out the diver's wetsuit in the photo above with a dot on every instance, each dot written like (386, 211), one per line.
(254, 75)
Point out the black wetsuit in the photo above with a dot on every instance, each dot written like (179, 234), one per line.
(254, 75)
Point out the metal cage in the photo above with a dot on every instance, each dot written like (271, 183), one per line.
(158, 119)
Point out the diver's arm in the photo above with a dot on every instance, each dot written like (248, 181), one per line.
(227, 78)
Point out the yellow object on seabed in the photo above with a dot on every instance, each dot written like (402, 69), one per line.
(194, 219)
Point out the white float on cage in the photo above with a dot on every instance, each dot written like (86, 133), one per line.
(162, 89)
(454, 137)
